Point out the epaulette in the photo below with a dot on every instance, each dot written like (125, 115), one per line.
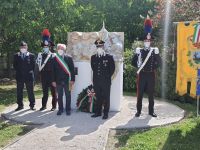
(53, 55)
(138, 49)
(156, 50)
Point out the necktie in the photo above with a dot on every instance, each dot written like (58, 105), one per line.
(23, 56)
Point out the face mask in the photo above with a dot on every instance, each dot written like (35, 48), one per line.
(23, 50)
(147, 44)
(46, 49)
(60, 52)
(100, 51)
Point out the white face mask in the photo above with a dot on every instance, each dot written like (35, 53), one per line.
(23, 50)
(147, 44)
(60, 52)
(46, 49)
(100, 51)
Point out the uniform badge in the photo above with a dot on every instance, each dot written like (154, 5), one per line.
(105, 63)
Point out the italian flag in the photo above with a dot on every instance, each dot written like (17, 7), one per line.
(196, 37)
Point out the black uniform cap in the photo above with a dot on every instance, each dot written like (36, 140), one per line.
(99, 43)
(47, 43)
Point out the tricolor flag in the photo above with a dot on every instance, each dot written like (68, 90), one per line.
(196, 37)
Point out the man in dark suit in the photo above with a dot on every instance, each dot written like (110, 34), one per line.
(63, 77)
(44, 61)
(24, 63)
(103, 67)
(147, 60)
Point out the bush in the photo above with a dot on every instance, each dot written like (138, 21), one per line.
(129, 72)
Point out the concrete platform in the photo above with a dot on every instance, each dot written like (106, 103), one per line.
(81, 132)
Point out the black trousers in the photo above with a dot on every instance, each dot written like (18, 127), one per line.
(29, 88)
(46, 84)
(102, 91)
(145, 83)
(64, 86)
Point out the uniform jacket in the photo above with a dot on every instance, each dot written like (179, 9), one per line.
(153, 62)
(24, 67)
(103, 68)
(58, 74)
(46, 72)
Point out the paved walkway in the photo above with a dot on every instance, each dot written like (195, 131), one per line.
(81, 132)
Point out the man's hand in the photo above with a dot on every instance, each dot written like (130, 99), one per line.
(54, 84)
(71, 84)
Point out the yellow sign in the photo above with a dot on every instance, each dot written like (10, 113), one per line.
(188, 59)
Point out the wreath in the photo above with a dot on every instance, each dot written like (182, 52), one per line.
(86, 100)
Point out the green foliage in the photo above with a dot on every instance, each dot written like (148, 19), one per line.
(129, 75)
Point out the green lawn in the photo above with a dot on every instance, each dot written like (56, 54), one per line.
(9, 131)
(184, 135)
(8, 94)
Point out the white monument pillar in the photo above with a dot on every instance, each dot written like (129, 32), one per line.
(81, 47)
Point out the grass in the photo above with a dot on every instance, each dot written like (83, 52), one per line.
(184, 135)
(8, 94)
(10, 131)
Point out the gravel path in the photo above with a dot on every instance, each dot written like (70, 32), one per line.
(81, 132)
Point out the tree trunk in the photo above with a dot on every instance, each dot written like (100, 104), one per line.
(8, 65)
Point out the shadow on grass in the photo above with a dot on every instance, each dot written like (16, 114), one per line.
(119, 138)
(184, 139)
(11, 131)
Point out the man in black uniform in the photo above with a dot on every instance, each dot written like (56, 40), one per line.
(147, 60)
(44, 62)
(63, 77)
(24, 63)
(103, 67)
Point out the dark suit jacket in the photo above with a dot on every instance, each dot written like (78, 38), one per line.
(103, 68)
(58, 74)
(24, 67)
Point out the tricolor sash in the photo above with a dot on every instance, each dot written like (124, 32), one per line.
(145, 61)
(63, 65)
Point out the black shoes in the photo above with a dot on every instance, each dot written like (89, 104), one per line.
(95, 115)
(19, 108)
(42, 108)
(32, 108)
(59, 112)
(98, 115)
(105, 117)
(153, 114)
(53, 108)
(68, 113)
(137, 114)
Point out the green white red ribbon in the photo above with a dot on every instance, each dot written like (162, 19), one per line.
(91, 95)
(196, 36)
(63, 64)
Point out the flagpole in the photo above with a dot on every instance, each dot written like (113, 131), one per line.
(198, 106)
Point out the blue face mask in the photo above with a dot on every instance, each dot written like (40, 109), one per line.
(46, 50)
